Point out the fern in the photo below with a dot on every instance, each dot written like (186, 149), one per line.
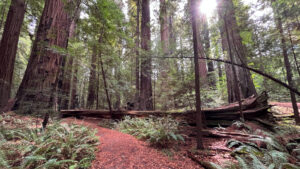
(60, 146)
(158, 131)
(242, 162)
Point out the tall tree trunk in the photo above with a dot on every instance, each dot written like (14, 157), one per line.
(202, 54)
(92, 82)
(210, 64)
(235, 79)
(66, 79)
(164, 27)
(194, 13)
(293, 51)
(8, 48)
(164, 64)
(137, 59)
(105, 84)
(287, 64)
(73, 101)
(239, 53)
(146, 67)
(38, 87)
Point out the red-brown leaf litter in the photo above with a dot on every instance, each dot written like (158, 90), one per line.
(122, 151)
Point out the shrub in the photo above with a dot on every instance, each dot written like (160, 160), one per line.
(59, 146)
(160, 132)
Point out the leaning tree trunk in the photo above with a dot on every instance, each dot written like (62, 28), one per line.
(146, 68)
(195, 28)
(8, 48)
(37, 90)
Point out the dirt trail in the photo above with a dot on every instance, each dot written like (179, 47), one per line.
(283, 104)
(123, 151)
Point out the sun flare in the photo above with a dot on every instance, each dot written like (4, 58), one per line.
(208, 7)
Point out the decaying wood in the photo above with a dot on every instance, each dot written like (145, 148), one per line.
(252, 107)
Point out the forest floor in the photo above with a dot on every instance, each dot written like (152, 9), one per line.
(283, 104)
(118, 150)
(122, 151)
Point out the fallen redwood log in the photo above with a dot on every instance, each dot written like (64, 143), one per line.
(252, 107)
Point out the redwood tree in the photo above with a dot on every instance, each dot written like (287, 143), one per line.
(195, 24)
(238, 50)
(9, 46)
(146, 68)
(92, 81)
(137, 59)
(38, 88)
(289, 73)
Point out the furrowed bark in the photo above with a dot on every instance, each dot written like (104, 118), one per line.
(8, 48)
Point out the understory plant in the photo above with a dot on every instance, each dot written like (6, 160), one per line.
(272, 155)
(158, 131)
(59, 146)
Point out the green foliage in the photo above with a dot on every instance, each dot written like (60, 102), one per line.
(250, 155)
(160, 132)
(59, 146)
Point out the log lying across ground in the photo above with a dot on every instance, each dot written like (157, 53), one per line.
(252, 108)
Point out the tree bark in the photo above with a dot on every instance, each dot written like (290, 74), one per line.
(8, 48)
(105, 84)
(235, 79)
(194, 13)
(288, 67)
(202, 54)
(3, 11)
(137, 59)
(246, 87)
(210, 64)
(92, 81)
(67, 75)
(146, 64)
(293, 51)
(37, 90)
(164, 27)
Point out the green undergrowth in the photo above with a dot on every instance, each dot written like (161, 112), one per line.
(59, 146)
(158, 131)
(266, 149)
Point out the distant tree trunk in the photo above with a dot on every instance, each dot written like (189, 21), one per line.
(146, 67)
(73, 101)
(137, 59)
(293, 51)
(202, 54)
(3, 11)
(165, 45)
(288, 67)
(210, 64)
(8, 48)
(194, 13)
(38, 87)
(105, 84)
(235, 79)
(164, 26)
(246, 86)
(92, 82)
(66, 74)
